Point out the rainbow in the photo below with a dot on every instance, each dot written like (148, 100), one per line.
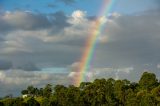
(107, 6)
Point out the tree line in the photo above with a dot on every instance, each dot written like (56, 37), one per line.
(100, 92)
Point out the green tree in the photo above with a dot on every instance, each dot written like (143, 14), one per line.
(72, 95)
(23, 92)
(40, 92)
(45, 102)
(37, 92)
(59, 95)
(97, 93)
(8, 102)
(147, 100)
(32, 102)
(156, 93)
(47, 91)
(31, 90)
(83, 85)
(130, 99)
(134, 86)
(100, 92)
(119, 91)
(148, 81)
(18, 102)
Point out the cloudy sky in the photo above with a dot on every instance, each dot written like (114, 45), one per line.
(42, 41)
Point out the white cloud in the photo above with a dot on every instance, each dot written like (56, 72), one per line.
(78, 17)
(74, 67)
(124, 41)
(158, 66)
(16, 80)
(114, 15)
(93, 73)
(124, 71)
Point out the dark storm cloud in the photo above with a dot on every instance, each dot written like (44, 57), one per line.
(132, 41)
(59, 21)
(137, 39)
(20, 20)
(57, 56)
(5, 65)
(28, 67)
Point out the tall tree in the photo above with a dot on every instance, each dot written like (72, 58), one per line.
(31, 90)
(47, 91)
(148, 81)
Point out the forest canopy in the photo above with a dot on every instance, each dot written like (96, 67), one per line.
(100, 92)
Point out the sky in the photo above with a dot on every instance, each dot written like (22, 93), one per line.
(42, 41)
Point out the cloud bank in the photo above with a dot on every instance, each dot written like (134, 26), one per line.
(30, 42)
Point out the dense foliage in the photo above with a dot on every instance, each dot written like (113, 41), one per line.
(100, 92)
